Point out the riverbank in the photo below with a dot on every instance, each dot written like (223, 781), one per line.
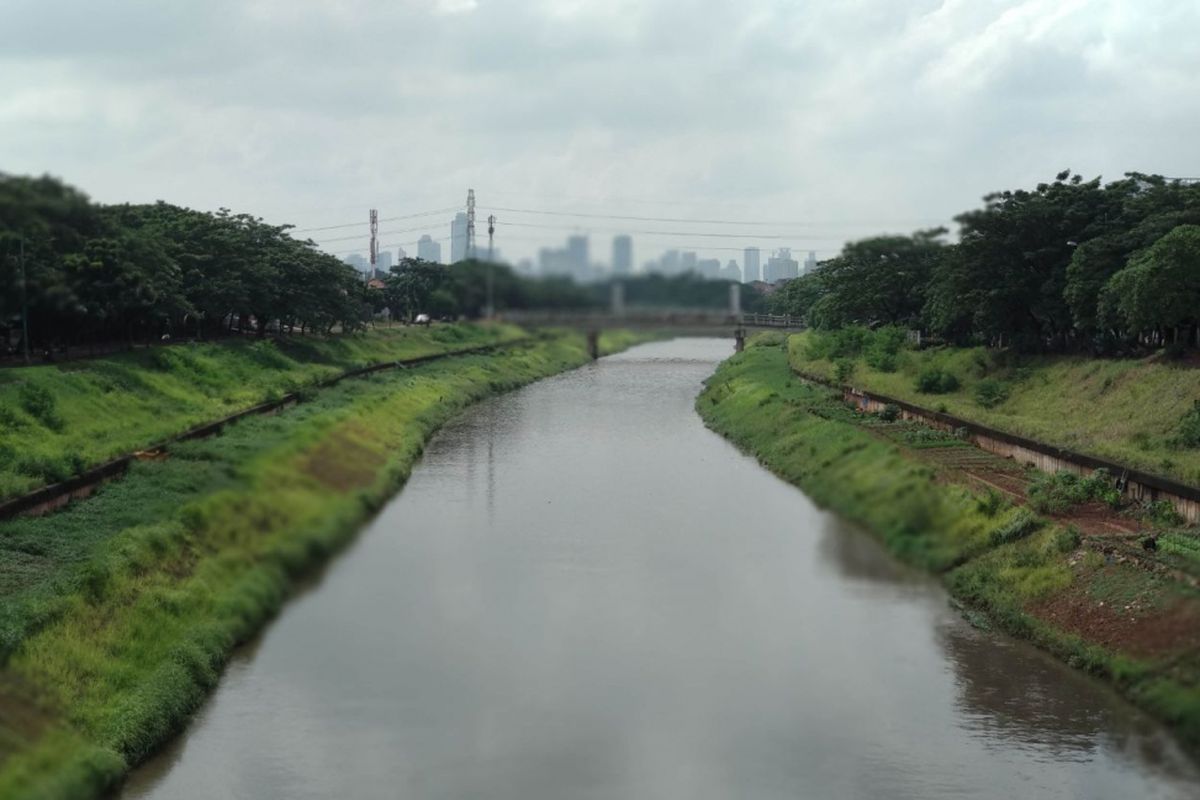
(1132, 620)
(1140, 412)
(58, 420)
(119, 612)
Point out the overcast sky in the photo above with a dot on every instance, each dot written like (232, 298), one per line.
(828, 119)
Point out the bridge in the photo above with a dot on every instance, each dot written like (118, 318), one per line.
(695, 322)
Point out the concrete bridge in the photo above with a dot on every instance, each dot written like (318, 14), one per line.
(694, 322)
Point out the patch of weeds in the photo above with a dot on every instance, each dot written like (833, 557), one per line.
(990, 392)
(1187, 433)
(41, 405)
(1022, 523)
(936, 381)
(991, 503)
(1062, 491)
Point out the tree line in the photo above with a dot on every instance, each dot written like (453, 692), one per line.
(75, 272)
(1073, 264)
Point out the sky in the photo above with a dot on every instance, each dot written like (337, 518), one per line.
(800, 124)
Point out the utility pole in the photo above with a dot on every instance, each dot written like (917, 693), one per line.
(491, 277)
(374, 220)
(24, 305)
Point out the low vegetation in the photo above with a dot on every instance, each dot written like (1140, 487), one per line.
(119, 612)
(1141, 412)
(1034, 578)
(58, 420)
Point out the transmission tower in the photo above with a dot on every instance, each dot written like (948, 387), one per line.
(374, 217)
(470, 251)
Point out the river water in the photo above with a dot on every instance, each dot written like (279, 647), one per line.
(583, 593)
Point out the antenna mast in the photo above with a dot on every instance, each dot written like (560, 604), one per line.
(374, 218)
(470, 251)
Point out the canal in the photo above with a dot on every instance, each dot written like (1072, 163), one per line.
(583, 593)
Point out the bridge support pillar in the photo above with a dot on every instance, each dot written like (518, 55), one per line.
(593, 344)
(739, 340)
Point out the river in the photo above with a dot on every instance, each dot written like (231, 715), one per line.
(583, 593)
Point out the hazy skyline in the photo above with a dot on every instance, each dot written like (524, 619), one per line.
(831, 120)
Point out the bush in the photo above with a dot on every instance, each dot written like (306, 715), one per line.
(1067, 539)
(1162, 512)
(1019, 526)
(1057, 493)
(1188, 432)
(991, 503)
(990, 393)
(936, 381)
(40, 404)
(890, 413)
(843, 368)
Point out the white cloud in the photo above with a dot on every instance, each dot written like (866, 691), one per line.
(871, 112)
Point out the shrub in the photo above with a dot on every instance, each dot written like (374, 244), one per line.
(1067, 539)
(1188, 432)
(990, 504)
(1162, 512)
(890, 413)
(936, 381)
(1057, 493)
(843, 368)
(1020, 525)
(41, 405)
(990, 393)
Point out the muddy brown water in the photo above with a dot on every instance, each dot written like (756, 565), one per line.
(583, 593)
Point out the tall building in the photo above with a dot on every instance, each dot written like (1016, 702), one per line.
(781, 267)
(577, 255)
(622, 256)
(750, 265)
(670, 262)
(709, 267)
(357, 261)
(383, 262)
(429, 250)
(401, 254)
(731, 272)
(687, 262)
(458, 238)
(810, 263)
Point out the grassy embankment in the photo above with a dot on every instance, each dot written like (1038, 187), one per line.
(1133, 627)
(119, 612)
(1133, 411)
(57, 420)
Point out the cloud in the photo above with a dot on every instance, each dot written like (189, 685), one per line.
(869, 113)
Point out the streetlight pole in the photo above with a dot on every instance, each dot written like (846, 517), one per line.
(491, 278)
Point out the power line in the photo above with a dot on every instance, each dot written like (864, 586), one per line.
(381, 219)
(701, 234)
(693, 220)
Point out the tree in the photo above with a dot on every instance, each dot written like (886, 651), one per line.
(1159, 291)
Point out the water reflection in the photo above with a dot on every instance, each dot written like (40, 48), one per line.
(583, 593)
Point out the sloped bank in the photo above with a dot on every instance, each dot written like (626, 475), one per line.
(121, 613)
(994, 557)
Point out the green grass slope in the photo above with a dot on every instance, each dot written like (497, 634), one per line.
(995, 557)
(119, 611)
(1128, 410)
(57, 420)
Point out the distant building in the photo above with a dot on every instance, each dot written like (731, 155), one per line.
(383, 262)
(553, 261)
(670, 263)
(781, 267)
(400, 254)
(708, 267)
(731, 272)
(458, 238)
(750, 262)
(429, 250)
(357, 261)
(810, 263)
(525, 267)
(622, 255)
(687, 262)
(577, 254)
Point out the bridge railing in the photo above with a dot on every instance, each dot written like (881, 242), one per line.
(772, 321)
